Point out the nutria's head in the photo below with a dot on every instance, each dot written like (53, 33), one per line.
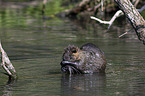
(70, 60)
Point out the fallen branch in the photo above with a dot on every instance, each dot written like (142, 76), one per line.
(7, 65)
(117, 14)
(136, 20)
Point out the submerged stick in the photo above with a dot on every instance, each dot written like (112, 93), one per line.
(7, 65)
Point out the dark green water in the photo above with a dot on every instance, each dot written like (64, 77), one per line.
(35, 47)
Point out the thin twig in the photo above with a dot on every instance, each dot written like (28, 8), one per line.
(122, 34)
(125, 33)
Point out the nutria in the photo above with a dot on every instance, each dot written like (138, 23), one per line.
(87, 59)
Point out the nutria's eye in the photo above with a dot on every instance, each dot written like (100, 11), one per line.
(74, 51)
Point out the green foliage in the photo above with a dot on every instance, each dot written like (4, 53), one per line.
(20, 17)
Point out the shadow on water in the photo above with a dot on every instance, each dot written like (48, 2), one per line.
(83, 84)
(11, 80)
(6, 90)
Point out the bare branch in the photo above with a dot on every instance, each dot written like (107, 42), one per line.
(117, 14)
(136, 20)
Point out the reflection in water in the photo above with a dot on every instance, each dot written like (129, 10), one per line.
(6, 90)
(85, 84)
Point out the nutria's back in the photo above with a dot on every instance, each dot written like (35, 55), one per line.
(93, 48)
(87, 59)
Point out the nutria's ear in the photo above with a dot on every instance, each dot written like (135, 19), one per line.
(66, 48)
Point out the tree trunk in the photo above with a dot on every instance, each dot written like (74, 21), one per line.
(134, 17)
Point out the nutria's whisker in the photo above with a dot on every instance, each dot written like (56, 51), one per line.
(73, 70)
(69, 67)
(77, 71)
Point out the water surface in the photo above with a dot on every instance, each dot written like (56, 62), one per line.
(35, 47)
